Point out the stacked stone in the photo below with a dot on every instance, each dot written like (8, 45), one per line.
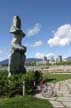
(17, 54)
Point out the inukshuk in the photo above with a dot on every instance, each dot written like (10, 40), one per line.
(17, 54)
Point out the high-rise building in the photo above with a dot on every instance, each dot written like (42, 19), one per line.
(59, 58)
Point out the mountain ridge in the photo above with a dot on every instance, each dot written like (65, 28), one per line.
(4, 62)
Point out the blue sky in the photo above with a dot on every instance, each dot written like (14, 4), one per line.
(46, 23)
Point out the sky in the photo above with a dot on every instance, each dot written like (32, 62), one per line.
(46, 23)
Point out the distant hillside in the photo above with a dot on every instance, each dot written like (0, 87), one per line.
(69, 58)
(33, 60)
(4, 62)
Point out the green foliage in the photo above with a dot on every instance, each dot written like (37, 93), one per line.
(3, 82)
(30, 78)
(11, 86)
(38, 76)
(15, 85)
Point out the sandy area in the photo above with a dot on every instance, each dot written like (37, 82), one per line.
(58, 69)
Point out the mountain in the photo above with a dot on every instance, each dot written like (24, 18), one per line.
(33, 60)
(69, 58)
(5, 62)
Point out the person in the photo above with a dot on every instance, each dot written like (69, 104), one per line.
(43, 84)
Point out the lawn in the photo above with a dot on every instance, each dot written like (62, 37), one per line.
(57, 77)
(24, 102)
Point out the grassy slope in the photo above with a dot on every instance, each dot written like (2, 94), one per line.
(57, 77)
(24, 102)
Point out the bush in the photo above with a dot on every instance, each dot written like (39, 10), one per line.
(3, 82)
(13, 85)
(10, 86)
(30, 78)
(38, 76)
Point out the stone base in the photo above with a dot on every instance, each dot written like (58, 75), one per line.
(16, 63)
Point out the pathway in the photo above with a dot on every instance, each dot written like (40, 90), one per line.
(63, 98)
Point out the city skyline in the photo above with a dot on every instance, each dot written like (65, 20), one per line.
(47, 25)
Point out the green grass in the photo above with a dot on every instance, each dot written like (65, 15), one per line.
(57, 77)
(24, 102)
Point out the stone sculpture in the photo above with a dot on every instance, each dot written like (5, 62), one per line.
(17, 54)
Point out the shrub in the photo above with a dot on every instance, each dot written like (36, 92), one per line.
(3, 82)
(11, 86)
(30, 78)
(15, 85)
(38, 76)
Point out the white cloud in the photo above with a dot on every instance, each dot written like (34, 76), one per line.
(33, 31)
(62, 36)
(37, 44)
(50, 55)
(39, 55)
